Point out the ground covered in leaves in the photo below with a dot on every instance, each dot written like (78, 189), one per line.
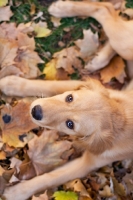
(34, 44)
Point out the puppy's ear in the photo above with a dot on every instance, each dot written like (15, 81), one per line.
(98, 143)
(102, 137)
(95, 85)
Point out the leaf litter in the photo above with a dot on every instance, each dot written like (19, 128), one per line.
(32, 43)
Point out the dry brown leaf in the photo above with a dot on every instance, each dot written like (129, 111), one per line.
(15, 131)
(5, 13)
(51, 73)
(9, 29)
(27, 61)
(17, 52)
(89, 44)
(10, 70)
(32, 9)
(2, 155)
(41, 197)
(118, 187)
(106, 192)
(1, 170)
(45, 151)
(2, 181)
(78, 186)
(115, 69)
(128, 182)
(15, 163)
(25, 28)
(56, 21)
(8, 52)
(67, 59)
(25, 42)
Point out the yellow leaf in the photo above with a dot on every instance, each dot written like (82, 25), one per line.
(41, 29)
(3, 2)
(50, 70)
(42, 32)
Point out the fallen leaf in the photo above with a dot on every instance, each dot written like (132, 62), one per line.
(13, 179)
(89, 44)
(10, 70)
(51, 73)
(27, 61)
(2, 155)
(106, 192)
(67, 59)
(50, 70)
(118, 187)
(45, 152)
(78, 186)
(5, 13)
(10, 30)
(128, 182)
(8, 52)
(62, 195)
(41, 29)
(15, 130)
(25, 41)
(3, 3)
(15, 163)
(2, 181)
(1, 170)
(41, 197)
(56, 21)
(115, 69)
(32, 9)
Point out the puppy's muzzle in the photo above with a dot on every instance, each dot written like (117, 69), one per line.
(37, 112)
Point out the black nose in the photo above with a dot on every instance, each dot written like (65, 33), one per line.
(37, 112)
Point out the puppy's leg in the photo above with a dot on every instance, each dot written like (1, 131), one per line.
(75, 169)
(101, 59)
(105, 14)
(17, 86)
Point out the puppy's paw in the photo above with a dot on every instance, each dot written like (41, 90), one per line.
(61, 9)
(12, 85)
(11, 193)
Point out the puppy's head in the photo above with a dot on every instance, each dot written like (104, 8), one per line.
(85, 113)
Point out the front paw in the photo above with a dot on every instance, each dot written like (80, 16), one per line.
(12, 85)
(61, 9)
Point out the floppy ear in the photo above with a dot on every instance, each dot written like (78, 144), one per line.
(95, 85)
(100, 142)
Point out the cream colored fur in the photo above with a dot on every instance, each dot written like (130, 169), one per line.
(103, 119)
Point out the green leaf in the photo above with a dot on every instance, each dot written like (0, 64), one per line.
(62, 195)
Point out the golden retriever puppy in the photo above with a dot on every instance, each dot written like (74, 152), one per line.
(101, 119)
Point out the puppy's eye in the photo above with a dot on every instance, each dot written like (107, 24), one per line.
(69, 98)
(70, 124)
